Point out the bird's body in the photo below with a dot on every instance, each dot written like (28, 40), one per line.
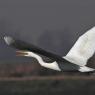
(75, 60)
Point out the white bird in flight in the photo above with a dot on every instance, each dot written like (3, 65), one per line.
(75, 60)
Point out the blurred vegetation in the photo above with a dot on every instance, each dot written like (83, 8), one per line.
(23, 70)
(29, 69)
(13, 69)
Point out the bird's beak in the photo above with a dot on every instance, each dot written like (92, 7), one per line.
(21, 53)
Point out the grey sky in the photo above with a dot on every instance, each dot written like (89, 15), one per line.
(53, 25)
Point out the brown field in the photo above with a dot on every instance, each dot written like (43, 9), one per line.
(53, 85)
(48, 78)
(32, 79)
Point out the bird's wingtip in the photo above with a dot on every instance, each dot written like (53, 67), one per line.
(8, 40)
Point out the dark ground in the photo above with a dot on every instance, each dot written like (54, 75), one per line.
(48, 86)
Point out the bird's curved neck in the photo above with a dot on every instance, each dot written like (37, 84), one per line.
(39, 59)
(52, 65)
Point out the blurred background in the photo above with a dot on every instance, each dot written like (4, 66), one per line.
(53, 25)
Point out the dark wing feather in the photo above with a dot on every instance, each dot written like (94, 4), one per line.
(21, 45)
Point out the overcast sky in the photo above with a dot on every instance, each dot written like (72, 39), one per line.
(53, 25)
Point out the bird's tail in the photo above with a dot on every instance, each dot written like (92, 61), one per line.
(86, 69)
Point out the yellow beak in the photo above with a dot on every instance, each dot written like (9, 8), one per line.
(21, 53)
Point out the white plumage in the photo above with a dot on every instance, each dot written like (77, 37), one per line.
(83, 49)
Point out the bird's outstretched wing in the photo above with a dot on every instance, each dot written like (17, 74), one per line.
(21, 45)
(83, 49)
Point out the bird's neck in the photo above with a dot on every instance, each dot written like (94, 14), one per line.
(52, 65)
(39, 59)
